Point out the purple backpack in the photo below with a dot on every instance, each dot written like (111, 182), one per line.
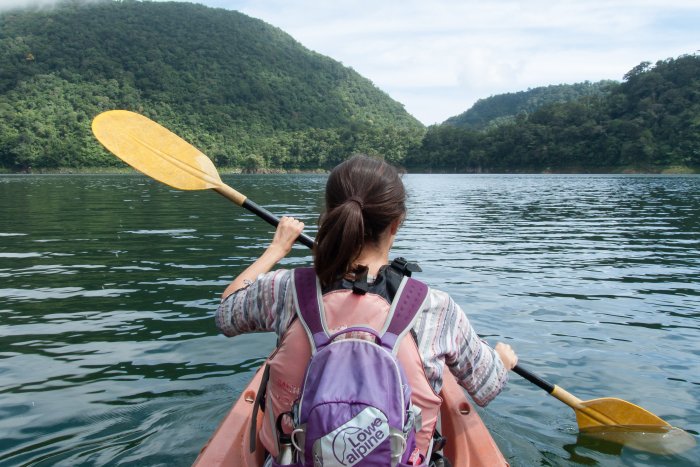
(355, 403)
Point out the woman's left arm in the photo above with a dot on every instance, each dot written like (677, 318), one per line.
(479, 368)
(288, 230)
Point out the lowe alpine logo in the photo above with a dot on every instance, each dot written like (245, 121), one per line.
(351, 442)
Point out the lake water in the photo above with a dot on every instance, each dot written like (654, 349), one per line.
(108, 284)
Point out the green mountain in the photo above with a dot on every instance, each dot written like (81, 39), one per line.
(244, 92)
(504, 108)
(251, 97)
(649, 122)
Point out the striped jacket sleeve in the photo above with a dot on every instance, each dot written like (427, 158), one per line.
(446, 338)
(265, 305)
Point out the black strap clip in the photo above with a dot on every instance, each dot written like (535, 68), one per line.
(405, 267)
(360, 285)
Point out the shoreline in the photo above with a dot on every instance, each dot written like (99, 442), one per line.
(671, 170)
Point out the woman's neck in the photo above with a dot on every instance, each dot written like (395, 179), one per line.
(374, 256)
(372, 261)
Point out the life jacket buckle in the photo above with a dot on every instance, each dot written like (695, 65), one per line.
(360, 285)
(404, 266)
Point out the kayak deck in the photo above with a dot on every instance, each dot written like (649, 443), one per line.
(469, 442)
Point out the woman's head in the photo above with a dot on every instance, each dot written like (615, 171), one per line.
(364, 196)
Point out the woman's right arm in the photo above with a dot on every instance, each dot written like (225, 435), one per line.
(257, 300)
(264, 305)
(286, 233)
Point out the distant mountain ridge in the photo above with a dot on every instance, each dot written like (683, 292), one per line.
(503, 108)
(650, 122)
(244, 91)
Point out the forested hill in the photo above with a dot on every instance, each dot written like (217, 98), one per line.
(244, 92)
(251, 97)
(649, 122)
(503, 108)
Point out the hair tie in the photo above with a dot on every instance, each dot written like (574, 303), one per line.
(355, 199)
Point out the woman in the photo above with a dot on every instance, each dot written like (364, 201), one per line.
(365, 206)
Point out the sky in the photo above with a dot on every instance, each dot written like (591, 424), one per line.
(438, 57)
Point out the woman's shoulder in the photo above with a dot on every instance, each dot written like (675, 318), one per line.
(267, 286)
(440, 306)
(278, 276)
(439, 297)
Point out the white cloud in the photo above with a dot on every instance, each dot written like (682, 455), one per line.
(12, 4)
(8, 4)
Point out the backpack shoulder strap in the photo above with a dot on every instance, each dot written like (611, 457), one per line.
(409, 299)
(307, 297)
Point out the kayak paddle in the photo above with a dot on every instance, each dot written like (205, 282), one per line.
(162, 155)
(617, 420)
(596, 412)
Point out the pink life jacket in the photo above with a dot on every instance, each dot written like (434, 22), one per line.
(342, 309)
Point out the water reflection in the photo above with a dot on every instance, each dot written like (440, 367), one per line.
(663, 440)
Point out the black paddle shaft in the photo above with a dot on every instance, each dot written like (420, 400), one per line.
(271, 219)
(534, 379)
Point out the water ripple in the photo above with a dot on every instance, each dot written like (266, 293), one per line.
(109, 356)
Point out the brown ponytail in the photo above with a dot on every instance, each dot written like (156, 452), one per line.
(363, 197)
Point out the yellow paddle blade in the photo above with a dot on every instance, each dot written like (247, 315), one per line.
(627, 424)
(155, 151)
(613, 411)
(617, 420)
(159, 153)
(624, 423)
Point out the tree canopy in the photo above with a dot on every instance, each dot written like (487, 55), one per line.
(649, 122)
(242, 91)
(504, 108)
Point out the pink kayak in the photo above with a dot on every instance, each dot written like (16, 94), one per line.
(469, 442)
